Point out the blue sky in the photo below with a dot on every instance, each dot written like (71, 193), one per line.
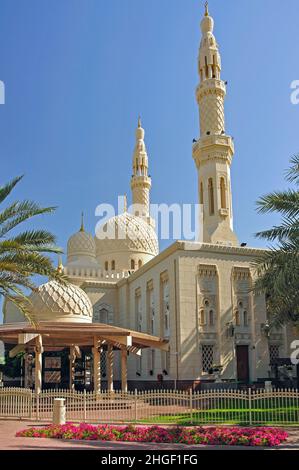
(79, 72)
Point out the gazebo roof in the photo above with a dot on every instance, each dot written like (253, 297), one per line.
(80, 334)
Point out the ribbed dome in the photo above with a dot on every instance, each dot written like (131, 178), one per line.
(81, 244)
(62, 303)
(132, 233)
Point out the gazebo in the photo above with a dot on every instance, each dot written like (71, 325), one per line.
(63, 319)
(75, 335)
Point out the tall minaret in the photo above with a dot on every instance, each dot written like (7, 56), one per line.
(214, 150)
(140, 182)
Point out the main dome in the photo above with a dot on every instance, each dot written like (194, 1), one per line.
(127, 232)
(58, 302)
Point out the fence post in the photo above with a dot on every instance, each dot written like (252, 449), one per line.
(250, 406)
(30, 404)
(191, 405)
(136, 398)
(84, 406)
(37, 405)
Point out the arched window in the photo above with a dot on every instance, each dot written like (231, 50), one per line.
(245, 318)
(222, 193)
(113, 265)
(201, 194)
(106, 266)
(237, 317)
(166, 326)
(206, 67)
(211, 197)
(214, 61)
(202, 317)
(211, 318)
(139, 263)
(103, 315)
(132, 264)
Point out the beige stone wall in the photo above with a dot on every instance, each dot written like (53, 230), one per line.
(192, 337)
(181, 264)
(134, 299)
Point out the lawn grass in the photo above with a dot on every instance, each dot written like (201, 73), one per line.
(241, 416)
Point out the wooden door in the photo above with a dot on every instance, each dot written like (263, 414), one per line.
(242, 363)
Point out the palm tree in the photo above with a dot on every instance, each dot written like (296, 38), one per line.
(278, 267)
(23, 255)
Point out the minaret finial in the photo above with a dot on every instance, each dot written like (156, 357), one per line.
(139, 121)
(207, 9)
(82, 222)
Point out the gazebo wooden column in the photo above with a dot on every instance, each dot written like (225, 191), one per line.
(26, 372)
(124, 369)
(38, 363)
(96, 365)
(110, 357)
(72, 358)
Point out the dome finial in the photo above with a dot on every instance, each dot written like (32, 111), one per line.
(82, 222)
(59, 265)
(207, 9)
(139, 122)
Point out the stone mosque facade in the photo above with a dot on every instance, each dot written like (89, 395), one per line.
(196, 295)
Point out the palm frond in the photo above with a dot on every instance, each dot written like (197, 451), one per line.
(7, 188)
(292, 174)
(277, 269)
(285, 202)
(13, 246)
(24, 255)
(19, 212)
(27, 263)
(288, 229)
(35, 237)
(23, 304)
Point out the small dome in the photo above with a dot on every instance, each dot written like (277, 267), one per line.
(80, 244)
(127, 232)
(207, 24)
(57, 302)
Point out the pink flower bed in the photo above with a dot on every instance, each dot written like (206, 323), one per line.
(210, 436)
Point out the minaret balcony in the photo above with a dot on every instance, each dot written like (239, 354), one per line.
(141, 181)
(213, 146)
(210, 85)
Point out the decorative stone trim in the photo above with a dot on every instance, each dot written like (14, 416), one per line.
(276, 337)
(210, 338)
(150, 285)
(207, 270)
(241, 273)
(243, 336)
(138, 292)
(224, 212)
(164, 277)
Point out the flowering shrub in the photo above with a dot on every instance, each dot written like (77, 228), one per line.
(209, 436)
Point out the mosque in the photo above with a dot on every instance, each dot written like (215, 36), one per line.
(189, 308)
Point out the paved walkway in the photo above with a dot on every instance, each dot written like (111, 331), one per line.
(8, 441)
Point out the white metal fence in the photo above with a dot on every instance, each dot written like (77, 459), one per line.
(253, 407)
